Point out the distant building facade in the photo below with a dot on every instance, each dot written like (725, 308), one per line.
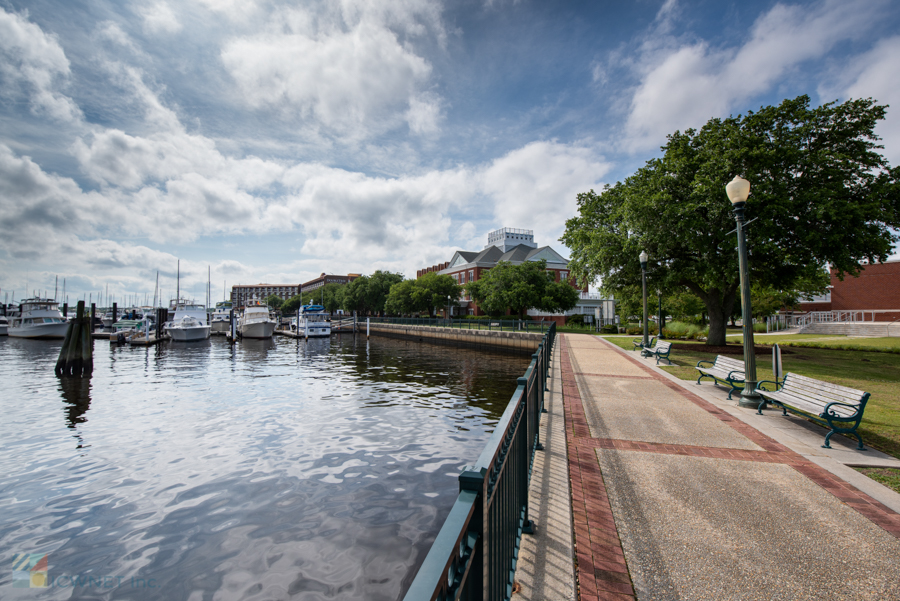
(516, 246)
(328, 279)
(876, 293)
(241, 293)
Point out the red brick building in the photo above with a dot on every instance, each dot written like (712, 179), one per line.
(514, 246)
(875, 293)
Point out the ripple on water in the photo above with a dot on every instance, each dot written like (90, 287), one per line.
(318, 469)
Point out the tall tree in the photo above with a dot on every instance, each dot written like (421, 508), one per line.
(427, 293)
(518, 288)
(274, 301)
(820, 191)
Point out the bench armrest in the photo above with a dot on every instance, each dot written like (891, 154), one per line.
(829, 405)
(759, 385)
(711, 363)
(737, 371)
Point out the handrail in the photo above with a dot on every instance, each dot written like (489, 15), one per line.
(502, 325)
(474, 554)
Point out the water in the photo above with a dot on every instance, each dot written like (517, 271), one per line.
(274, 469)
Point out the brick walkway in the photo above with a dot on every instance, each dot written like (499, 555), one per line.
(629, 544)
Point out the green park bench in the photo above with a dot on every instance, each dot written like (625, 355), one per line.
(660, 350)
(824, 403)
(725, 370)
(638, 343)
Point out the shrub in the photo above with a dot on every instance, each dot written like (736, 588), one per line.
(609, 329)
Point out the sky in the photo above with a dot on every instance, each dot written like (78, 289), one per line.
(260, 141)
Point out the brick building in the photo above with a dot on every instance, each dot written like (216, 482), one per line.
(514, 246)
(328, 279)
(240, 294)
(875, 293)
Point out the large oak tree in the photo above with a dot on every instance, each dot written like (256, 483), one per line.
(820, 190)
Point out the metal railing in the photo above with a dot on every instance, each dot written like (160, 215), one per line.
(474, 555)
(502, 325)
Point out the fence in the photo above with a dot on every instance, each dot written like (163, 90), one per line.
(474, 555)
(501, 325)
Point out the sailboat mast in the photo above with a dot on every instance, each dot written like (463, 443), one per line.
(178, 283)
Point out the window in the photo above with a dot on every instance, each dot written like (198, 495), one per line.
(471, 275)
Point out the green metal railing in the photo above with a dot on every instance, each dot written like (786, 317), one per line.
(502, 325)
(474, 554)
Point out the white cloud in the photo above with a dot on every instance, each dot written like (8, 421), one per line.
(876, 74)
(34, 65)
(535, 187)
(158, 17)
(687, 85)
(346, 69)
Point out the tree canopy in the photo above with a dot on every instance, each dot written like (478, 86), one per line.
(518, 288)
(427, 293)
(274, 301)
(367, 294)
(820, 191)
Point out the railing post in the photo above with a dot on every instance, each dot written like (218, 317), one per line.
(473, 480)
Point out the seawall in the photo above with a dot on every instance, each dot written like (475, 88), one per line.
(520, 342)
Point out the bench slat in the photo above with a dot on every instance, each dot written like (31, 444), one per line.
(808, 404)
(828, 394)
(825, 385)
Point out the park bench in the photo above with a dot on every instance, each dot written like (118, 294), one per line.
(638, 343)
(723, 369)
(661, 350)
(825, 403)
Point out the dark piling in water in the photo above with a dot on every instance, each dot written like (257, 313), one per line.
(76, 355)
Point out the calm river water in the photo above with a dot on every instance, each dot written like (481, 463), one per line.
(268, 470)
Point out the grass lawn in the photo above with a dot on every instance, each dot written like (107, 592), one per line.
(877, 373)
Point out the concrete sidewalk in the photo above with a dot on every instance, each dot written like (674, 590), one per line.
(676, 493)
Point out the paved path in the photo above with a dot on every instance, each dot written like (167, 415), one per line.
(679, 494)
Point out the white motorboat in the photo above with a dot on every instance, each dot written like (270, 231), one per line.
(4, 325)
(221, 318)
(38, 318)
(189, 322)
(255, 321)
(313, 322)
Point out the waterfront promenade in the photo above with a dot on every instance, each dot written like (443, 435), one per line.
(656, 488)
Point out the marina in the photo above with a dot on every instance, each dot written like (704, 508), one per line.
(269, 467)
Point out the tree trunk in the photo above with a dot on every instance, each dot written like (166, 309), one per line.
(718, 308)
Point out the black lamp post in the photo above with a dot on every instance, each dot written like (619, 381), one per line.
(738, 191)
(643, 257)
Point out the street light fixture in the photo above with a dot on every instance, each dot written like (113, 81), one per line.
(738, 190)
(644, 256)
(448, 307)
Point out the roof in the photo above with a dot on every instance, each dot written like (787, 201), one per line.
(493, 255)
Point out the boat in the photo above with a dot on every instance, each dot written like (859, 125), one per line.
(221, 318)
(4, 325)
(313, 322)
(189, 322)
(38, 318)
(255, 321)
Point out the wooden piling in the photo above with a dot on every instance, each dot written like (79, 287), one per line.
(76, 355)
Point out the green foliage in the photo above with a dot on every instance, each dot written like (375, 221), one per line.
(427, 293)
(517, 288)
(290, 305)
(330, 296)
(820, 191)
(274, 301)
(368, 294)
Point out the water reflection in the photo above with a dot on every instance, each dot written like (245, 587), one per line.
(317, 468)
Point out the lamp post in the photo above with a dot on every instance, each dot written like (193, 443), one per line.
(448, 307)
(644, 256)
(660, 322)
(738, 190)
